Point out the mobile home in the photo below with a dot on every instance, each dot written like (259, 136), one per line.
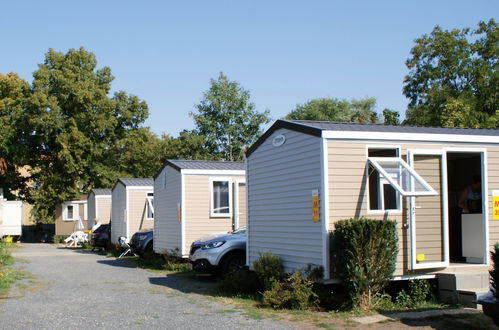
(99, 206)
(10, 217)
(196, 198)
(132, 207)
(417, 176)
(67, 215)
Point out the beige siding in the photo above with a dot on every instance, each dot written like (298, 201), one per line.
(27, 219)
(429, 218)
(198, 221)
(348, 197)
(167, 197)
(103, 210)
(67, 227)
(243, 215)
(493, 184)
(137, 211)
(280, 181)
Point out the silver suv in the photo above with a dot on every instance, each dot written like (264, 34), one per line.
(219, 253)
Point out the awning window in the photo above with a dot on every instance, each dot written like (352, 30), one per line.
(401, 176)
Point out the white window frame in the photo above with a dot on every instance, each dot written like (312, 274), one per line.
(381, 182)
(85, 211)
(150, 205)
(375, 161)
(220, 215)
(76, 211)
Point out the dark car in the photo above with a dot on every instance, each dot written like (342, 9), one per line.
(141, 242)
(100, 237)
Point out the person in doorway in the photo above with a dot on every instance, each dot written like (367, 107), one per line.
(471, 197)
(96, 224)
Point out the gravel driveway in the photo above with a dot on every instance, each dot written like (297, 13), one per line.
(74, 289)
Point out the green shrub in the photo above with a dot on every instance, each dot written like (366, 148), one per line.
(363, 255)
(494, 272)
(332, 297)
(5, 257)
(59, 238)
(240, 282)
(292, 293)
(269, 269)
(312, 272)
(174, 262)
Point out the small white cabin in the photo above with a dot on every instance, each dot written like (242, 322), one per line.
(414, 175)
(132, 207)
(197, 198)
(10, 217)
(99, 206)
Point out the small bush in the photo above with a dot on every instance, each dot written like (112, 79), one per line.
(293, 293)
(174, 262)
(7, 240)
(240, 282)
(5, 257)
(407, 295)
(312, 272)
(332, 297)
(59, 238)
(494, 272)
(363, 255)
(269, 269)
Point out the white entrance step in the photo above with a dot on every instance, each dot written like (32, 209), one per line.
(462, 288)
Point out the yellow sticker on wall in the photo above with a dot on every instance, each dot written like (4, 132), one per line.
(315, 205)
(495, 207)
(420, 257)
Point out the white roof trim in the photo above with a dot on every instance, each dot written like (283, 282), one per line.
(427, 137)
(139, 187)
(213, 172)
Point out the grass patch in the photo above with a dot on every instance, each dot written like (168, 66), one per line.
(8, 274)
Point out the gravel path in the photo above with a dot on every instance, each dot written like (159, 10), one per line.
(73, 290)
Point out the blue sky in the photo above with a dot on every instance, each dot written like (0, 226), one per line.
(284, 52)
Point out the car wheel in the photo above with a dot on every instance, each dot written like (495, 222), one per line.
(233, 262)
(148, 252)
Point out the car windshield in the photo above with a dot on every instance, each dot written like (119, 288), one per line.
(101, 229)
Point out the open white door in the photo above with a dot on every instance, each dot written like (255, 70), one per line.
(428, 215)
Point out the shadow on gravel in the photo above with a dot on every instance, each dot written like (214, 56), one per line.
(455, 322)
(117, 263)
(76, 250)
(201, 285)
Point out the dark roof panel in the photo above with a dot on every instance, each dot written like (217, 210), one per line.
(137, 181)
(97, 191)
(357, 127)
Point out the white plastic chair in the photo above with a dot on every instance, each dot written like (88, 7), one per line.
(124, 244)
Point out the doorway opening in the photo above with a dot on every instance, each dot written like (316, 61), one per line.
(466, 214)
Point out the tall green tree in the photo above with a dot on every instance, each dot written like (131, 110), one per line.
(227, 119)
(70, 127)
(391, 117)
(333, 109)
(453, 79)
(14, 92)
